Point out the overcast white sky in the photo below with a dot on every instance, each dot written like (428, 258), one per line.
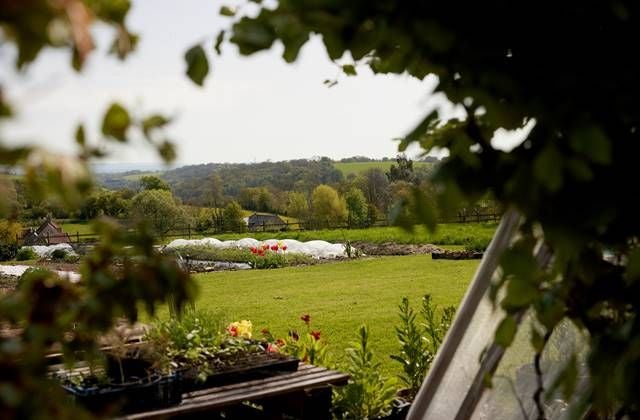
(250, 109)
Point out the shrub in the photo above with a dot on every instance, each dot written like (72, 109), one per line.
(419, 343)
(58, 254)
(71, 258)
(8, 251)
(26, 253)
(477, 244)
(368, 394)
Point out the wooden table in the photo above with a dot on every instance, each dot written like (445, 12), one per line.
(304, 394)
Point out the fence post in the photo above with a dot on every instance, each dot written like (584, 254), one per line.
(48, 240)
(77, 237)
(189, 231)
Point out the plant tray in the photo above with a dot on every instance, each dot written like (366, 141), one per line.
(150, 393)
(248, 367)
(456, 255)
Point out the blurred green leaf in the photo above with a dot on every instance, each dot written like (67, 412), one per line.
(152, 122)
(349, 70)
(547, 168)
(219, 41)
(421, 129)
(506, 332)
(81, 139)
(167, 151)
(197, 64)
(632, 273)
(116, 122)
(592, 142)
(424, 209)
(252, 35)
(227, 11)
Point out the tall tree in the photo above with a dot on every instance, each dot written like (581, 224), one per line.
(297, 205)
(357, 210)
(159, 209)
(403, 171)
(327, 207)
(152, 182)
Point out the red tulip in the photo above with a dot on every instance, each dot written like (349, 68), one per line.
(306, 318)
(274, 247)
(233, 330)
(284, 247)
(315, 335)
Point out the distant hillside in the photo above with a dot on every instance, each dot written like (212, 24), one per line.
(193, 183)
(358, 167)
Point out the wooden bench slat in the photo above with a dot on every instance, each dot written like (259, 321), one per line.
(302, 370)
(293, 383)
(307, 377)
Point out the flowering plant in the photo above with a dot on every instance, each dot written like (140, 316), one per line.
(240, 329)
(268, 256)
(307, 346)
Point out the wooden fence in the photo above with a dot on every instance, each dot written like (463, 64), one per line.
(189, 232)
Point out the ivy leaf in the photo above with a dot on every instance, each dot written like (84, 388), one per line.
(349, 70)
(506, 332)
(116, 122)
(197, 64)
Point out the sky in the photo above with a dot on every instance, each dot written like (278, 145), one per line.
(251, 109)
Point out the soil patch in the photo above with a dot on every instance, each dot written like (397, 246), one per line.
(392, 248)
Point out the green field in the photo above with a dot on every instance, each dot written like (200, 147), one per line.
(338, 296)
(445, 234)
(359, 167)
(81, 228)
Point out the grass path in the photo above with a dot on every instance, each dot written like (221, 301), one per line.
(339, 296)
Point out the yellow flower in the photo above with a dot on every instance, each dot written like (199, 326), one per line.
(240, 329)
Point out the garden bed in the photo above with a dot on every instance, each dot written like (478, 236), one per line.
(457, 255)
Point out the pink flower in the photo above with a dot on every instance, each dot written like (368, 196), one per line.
(315, 335)
(272, 348)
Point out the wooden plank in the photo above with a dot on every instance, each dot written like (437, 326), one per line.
(298, 383)
(308, 377)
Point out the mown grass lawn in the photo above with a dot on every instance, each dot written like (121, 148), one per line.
(339, 297)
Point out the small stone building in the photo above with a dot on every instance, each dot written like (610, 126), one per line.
(48, 233)
(261, 222)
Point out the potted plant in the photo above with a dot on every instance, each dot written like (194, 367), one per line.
(130, 377)
(208, 354)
